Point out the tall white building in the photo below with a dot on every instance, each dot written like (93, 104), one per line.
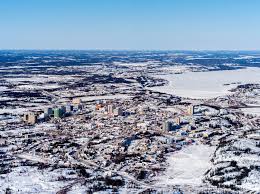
(191, 110)
(110, 109)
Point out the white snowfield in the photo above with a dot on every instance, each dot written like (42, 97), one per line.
(140, 64)
(187, 166)
(252, 111)
(207, 84)
(32, 180)
(105, 97)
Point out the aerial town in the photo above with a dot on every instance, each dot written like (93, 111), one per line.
(96, 122)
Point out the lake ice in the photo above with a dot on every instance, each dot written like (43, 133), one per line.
(207, 84)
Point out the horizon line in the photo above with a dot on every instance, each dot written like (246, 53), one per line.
(178, 50)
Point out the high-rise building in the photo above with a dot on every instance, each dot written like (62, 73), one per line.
(110, 109)
(178, 121)
(30, 118)
(63, 109)
(191, 110)
(57, 112)
(25, 117)
(48, 111)
(167, 125)
(118, 112)
(69, 108)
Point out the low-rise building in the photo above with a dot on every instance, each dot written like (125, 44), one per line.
(76, 101)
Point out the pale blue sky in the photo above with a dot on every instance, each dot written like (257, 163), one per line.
(130, 24)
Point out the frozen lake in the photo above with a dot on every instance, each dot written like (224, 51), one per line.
(207, 84)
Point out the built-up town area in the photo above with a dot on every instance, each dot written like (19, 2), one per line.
(93, 128)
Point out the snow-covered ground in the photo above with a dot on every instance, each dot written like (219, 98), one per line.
(207, 84)
(3, 88)
(39, 87)
(38, 78)
(27, 179)
(237, 161)
(15, 111)
(187, 166)
(141, 64)
(105, 97)
(251, 111)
